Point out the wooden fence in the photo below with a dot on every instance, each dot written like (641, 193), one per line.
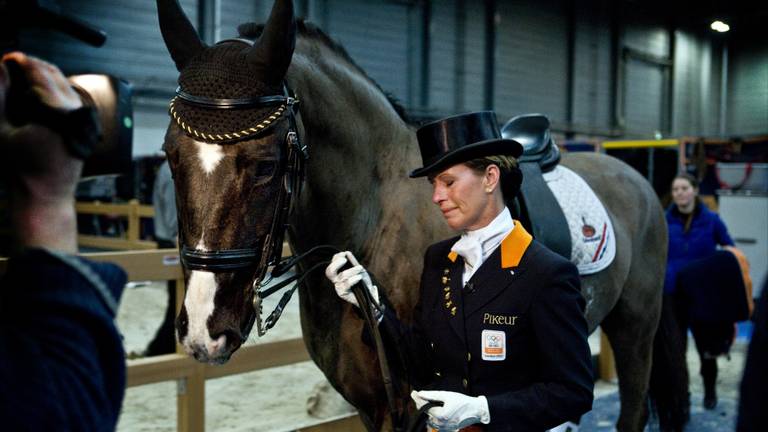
(132, 210)
(163, 264)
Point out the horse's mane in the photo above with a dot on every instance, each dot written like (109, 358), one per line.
(311, 31)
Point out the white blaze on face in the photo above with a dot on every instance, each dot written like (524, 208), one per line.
(199, 305)
(210, 155)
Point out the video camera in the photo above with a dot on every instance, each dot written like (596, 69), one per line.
(109, 96)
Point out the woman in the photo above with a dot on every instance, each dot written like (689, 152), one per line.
(499, 335)
(694, 234)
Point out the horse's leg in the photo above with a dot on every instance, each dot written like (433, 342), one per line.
(630, 328)
(164, 341)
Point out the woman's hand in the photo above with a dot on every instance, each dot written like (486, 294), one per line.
(344, 281)
(458, 410)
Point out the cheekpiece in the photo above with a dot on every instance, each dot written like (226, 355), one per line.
(461, 138)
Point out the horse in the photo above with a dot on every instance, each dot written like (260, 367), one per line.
(237, 188)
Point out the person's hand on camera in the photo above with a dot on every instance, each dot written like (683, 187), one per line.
(40, 172)
(345, 280)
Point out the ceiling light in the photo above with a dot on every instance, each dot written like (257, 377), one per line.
(719, 26)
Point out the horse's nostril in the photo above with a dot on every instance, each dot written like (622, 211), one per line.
(225, 340)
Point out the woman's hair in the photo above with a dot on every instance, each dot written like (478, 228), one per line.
(691, 179)
(511, 176)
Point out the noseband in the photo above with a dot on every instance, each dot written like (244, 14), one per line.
(292, 165)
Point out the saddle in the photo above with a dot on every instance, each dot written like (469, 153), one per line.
(536, 206)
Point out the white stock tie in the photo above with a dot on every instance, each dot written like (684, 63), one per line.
(470, 248)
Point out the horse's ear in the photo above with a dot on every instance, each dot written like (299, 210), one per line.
(271, 56)
(179, 35)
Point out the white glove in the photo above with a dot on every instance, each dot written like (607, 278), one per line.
(344, 281)
(458, 410)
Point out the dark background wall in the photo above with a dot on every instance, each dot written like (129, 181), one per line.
(597, 68)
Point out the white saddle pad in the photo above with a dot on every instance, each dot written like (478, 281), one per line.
(593, 245)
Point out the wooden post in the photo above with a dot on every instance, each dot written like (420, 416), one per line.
(190, 401)
(133, 220)
(606, 362)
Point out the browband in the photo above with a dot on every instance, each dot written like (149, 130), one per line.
(220, 103)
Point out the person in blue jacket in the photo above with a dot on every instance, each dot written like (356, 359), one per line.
(499, 335)
(62, 364)
(695, 232)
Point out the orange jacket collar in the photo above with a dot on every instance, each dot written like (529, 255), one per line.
(513, 247)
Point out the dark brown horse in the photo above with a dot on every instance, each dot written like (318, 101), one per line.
(356, 195)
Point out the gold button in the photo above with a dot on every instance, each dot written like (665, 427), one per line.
(469, 357)
(465, 382)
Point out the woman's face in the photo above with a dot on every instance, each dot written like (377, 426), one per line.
(461, 193)
(683, 193)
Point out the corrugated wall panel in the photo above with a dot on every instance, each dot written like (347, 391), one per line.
(748, 90)
(375, 33)
(531, 62)
(474, 57)
(643, 98)
(592, 69)
(644, 35)
(134, 49)
(644, 82)
(711, 60)
(442, 56)
(696, 90)
(236, 12)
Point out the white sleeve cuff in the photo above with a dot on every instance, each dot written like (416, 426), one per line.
(485, 413)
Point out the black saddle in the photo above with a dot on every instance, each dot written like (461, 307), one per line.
(536, 206)
(532, 132)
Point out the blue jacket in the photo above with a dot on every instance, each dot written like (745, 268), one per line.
(707, 231)
(62, 364)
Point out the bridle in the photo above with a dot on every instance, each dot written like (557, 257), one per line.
(292, 167)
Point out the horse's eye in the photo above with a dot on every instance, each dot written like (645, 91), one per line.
(265, 168)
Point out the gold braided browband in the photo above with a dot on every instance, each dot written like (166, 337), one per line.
(225, 136)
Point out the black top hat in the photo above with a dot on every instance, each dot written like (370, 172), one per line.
(461, 138)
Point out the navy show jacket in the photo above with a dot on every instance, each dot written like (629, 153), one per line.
(524, 294)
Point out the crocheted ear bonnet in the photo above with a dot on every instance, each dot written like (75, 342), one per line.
(223, 71)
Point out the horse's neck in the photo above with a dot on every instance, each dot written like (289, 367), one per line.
(357, 194)
(358, 148)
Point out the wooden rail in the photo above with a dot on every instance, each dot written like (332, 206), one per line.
(163, 264)
(132, 210)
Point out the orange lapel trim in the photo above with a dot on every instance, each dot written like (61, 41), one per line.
(514, 246)
(452, 256)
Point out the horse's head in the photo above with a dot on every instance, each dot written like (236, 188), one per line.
(227, 148)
